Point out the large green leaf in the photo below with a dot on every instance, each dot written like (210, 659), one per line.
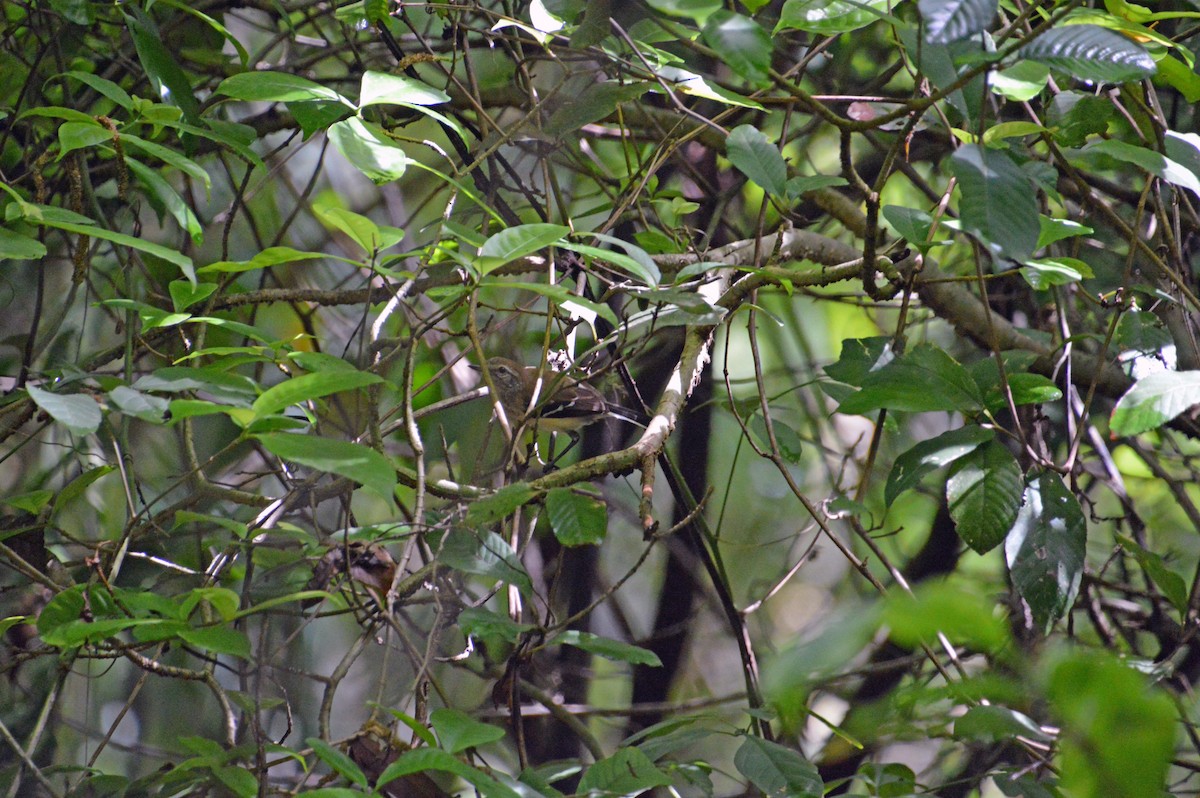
(984, 495)
(275, 86)
(351, 460)
(741, 43)
(457, 731)
(757, 158)
(166, 199)
(380, 88)
(1155, 163)
(930, 455)
(369, 148)
(963, 616)
(597, 101)
(998, 203)
(1118, 731)
(14, 246)
(160, 65)
(577, 519)
(609, 649)
(1155, 400)
(1090, 52)
(423, 759)
(517, 242)
(77, 412)
(74, 223)
(923, 379)
(1046, 546)
(777, 770)
(80, 135)
(626, 773)
(830, 17)
(950, 20)
(271, 256)
(310, 386)
(485, 554)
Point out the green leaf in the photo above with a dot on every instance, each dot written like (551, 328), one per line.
(14, 246)
(923, 379)
(1142, 331)
(830, 17)
(102, 86)
(275, 86)
(997, 724)
(1170, 583)
(758, 159)
(238, 780)
(597, 101)
(170, 157)
(694, 9)
(77, 412)
(1090, 52)
(168, 78)
(1155, 400)
(271, 256)
(79, 135)
(501, 504)
(789, 676)
(1020, 82)
(338, 761)
(457, 731)
(776, 770)
(423, 759)
(964, 617)
(380, 88)
(1098, 700)
(166, 199)
(912, 224)
(609, 649)
(950, 20)
(517, 242)
(485, 623)
(369, 236)
(316, 115)
(984, 495)
(687, 82)
(152, 409)
(1155, 163)
(930, 455)
(185, 294)
(1046, 546)
(577, 519)
(741, 43)
(55, 217)
(485, 554)
(1053, 230)
(998, 203)
(636, 260)
(369, 149)
(310, 386)
(561, 295)
(351, 460)
(626, 773)
(1027, 389)
(1175, 73)
(218, 640)
(77, 486)
(31, 502)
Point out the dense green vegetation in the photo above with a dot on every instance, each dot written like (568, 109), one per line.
(906, 291)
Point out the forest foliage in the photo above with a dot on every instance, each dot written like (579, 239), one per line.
(905, 291)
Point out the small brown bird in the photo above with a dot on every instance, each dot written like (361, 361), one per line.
(555, 402)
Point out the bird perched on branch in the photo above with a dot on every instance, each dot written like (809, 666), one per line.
(551, 400)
